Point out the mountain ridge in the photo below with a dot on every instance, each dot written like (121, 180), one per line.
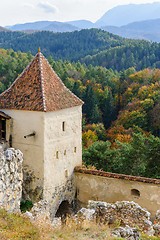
(146, 29)
(125, 14)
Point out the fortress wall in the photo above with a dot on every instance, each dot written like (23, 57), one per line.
(21, 124)
(62, 148)
(62, 152)
(11, 178)
(110, 187)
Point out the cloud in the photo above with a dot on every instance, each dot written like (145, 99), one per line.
(48, 7)
(28, 5)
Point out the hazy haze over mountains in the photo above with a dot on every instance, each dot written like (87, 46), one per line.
(2, 29)
(44, 26)
(122, 15)
(140, 21)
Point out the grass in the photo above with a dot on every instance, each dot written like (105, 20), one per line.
(82, 230)
(13, 226)
(18, 227)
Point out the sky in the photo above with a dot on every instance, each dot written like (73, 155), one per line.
(21, 11)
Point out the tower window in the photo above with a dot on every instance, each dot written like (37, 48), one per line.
(2, 128)
(63, 126)
(75, 149)
(57, 154)
(64, 152)
(66, 173)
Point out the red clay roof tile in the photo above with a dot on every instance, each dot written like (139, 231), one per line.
(38, 88)
(116, 175)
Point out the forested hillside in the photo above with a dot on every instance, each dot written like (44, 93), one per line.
(93, 46)
(11, 64)
(136, 53)
(121, 112)
(66, 46)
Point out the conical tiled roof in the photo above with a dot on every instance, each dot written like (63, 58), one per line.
(38, 88)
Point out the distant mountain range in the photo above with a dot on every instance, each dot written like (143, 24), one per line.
(148, 30)
(2, 29)
(125, 14)
(137, 21)
(52, 26)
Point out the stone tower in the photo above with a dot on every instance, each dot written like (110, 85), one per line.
(44, 122)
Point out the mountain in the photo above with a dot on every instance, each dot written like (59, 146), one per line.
(60, 27)
(2, 29)
(148, 30)
(124, 32)
(28, 26)
(66, 46)
(82, 24)
(125, 14)
(152, 25)
(89, 46)
(53, 26)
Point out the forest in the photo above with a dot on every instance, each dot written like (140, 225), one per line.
(89, 46)
(121, 111)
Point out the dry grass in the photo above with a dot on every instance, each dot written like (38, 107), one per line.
(84, 230)
(13, 226)
(16, 227)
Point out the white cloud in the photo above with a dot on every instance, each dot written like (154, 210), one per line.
(29, 5)
(48, 7)
(21, 11)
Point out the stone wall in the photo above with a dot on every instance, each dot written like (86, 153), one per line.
(126, 219)
(64, 192)
(11, 178)
(110, 187)
(32, 187)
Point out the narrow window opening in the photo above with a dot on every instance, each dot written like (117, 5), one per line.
(75, 149)
(64, 152)
(2, 128)
(63, 126)
(66, 173)
(57, 154)
(10, 140)
(135, 193)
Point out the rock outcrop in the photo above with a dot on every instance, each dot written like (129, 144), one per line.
(126, 218)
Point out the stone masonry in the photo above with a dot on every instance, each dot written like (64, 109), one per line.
(11, 178)
(121, 213)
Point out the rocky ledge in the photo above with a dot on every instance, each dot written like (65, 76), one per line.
(125, 219)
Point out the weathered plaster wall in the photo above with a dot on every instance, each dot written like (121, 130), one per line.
(51, 155)
(62, 152)
(11, 179)
(60, 155)
(23, 123)
(108, 189)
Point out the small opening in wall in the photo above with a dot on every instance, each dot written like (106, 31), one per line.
(2, 128)
(63, 126)
(63, 211)
(57, 154)
(66, 173)
(75, 149)
(135, 193)
(10, 140)
(64, 152)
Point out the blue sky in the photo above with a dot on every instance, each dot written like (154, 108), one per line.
(21, 11)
